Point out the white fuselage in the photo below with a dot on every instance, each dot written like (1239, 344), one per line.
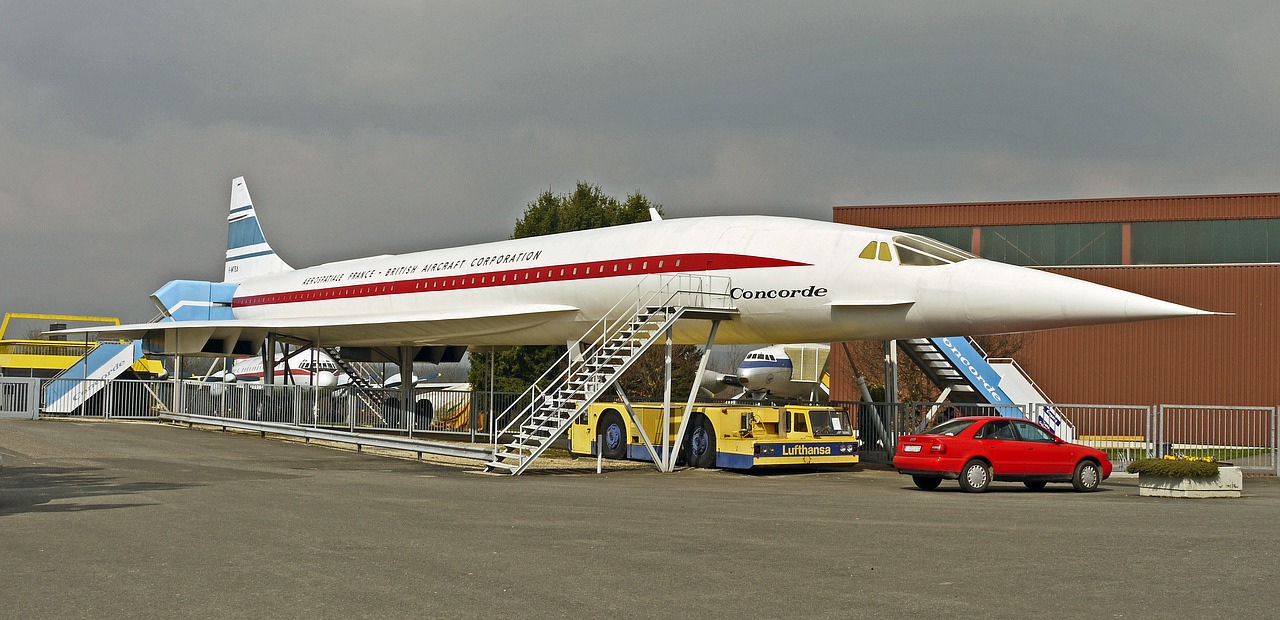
(770, 370)
(301, 370)
(791, 280)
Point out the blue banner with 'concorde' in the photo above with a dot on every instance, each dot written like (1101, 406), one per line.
(984, 379)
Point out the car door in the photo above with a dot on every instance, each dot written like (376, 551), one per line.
(1045, 455)
(1001, 446)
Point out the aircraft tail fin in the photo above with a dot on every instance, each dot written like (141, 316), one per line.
(248, 253)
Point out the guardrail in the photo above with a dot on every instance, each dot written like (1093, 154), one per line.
(479, 452)
(368, 417)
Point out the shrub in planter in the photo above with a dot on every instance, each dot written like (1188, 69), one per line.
(1176, 467)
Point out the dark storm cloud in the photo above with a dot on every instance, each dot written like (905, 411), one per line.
(384, 127)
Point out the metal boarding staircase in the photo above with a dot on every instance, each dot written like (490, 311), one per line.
(361, 382)
(939, 369)
(962, 371)
(87, 376)
(358, 376)
(585, 378)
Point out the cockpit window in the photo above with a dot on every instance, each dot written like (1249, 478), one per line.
(876, 250)
(923, 251)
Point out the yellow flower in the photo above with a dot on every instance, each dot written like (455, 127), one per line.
(1183, 457)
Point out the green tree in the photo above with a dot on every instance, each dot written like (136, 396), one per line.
(584, 208)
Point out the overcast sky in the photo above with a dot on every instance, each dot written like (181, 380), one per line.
(384, 127)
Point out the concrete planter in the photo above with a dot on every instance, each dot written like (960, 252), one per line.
(1228, 483)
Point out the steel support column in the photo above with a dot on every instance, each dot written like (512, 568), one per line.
(693, 395)
(406, 387)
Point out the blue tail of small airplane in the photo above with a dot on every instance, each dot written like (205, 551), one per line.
(248, 253)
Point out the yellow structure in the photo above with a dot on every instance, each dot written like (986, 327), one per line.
(732, 436)
(24, 357)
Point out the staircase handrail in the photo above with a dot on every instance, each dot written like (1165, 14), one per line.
(1018, 367)
(358, 375)
(617, 314)
(560, 409)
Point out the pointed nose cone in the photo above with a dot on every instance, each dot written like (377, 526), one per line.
(996, 298)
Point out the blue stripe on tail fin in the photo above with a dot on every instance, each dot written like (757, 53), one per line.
(248, 253)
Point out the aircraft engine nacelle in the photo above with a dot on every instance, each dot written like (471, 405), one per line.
(713, 383)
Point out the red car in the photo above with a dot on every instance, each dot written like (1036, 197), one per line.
(979, 450)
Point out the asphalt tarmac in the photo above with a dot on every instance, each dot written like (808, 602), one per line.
(142, 520)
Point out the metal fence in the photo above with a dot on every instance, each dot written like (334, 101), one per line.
(1245, 436)
(1248, 437)
(463, 413)
(1122, 431)
(19, 397)
(120, 398)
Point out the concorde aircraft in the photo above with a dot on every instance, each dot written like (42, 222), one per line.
(787, 280)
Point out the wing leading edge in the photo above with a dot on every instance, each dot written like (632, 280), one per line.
(245, 337)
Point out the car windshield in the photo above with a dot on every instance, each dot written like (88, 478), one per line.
(827, 422)
(952, 428)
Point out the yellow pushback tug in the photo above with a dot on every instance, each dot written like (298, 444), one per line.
(731, 436)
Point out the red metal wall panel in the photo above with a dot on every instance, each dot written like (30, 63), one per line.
(1213, 360)
(1208, 360)
(1150, 209)
(1231, 360)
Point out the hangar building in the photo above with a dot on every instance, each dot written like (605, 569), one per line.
(1219, 253)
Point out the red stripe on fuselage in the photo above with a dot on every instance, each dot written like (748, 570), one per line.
(612, 268)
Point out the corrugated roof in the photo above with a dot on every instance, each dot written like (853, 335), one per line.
(1088, 210)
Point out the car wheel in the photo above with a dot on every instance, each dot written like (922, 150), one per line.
(1035, 485)
(700, 447)
(614, 434)
(975, 477)
(927, 483)
(1087, 477)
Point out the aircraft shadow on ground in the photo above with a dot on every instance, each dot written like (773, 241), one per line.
(32, 489)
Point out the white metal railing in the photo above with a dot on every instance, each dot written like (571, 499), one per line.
(660, 290)
(1012, 362)
(1248, 437)
(19, 397)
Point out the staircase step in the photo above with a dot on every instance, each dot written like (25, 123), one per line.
(601, 362)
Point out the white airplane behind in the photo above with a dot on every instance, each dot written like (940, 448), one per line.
(785, 371)
(300, 369)
(793, 371)
(789, 280)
